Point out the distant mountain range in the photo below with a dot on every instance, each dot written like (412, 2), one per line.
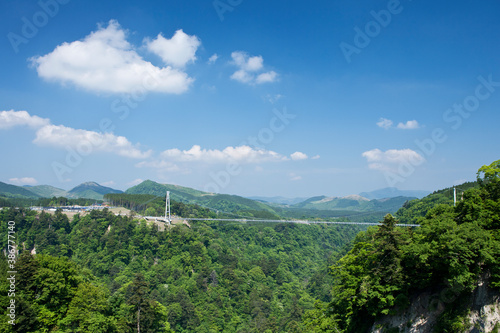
(384, 200)
(88, 190)
(223, 202)
(13, 191)
(392, 192)
(384, 193)
(47, 191)
(279, 200)
(92, 190)
(353, 203)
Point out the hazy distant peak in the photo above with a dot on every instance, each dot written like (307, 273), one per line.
(393, 192)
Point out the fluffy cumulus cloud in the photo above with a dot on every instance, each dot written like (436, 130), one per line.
(384, 123)
(105, 61)
(24, 181)
(266, 77)
(410, 124)
(250, 69)
(213, 58)
(297, 156)
(13, 118)
(387, 123)
(176, 51)
(247, 63)
(177, 160)
(59, 136)
(87, 142)
(391, 159)
(239, 154)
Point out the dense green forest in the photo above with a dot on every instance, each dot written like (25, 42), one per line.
(107, 273)
(454, 248)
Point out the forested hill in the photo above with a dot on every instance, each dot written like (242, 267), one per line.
(12, 191)
(107, 273)
(415, 210)
(390, 270)
(222, 202)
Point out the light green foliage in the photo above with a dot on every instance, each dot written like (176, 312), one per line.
(489, 173)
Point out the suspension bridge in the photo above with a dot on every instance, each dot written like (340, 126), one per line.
(168, 219)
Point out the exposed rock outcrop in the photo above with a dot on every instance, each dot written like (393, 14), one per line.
(483, 307)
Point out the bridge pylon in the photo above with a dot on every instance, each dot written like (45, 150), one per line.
(168, 218)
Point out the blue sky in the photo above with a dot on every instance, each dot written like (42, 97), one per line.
(287, 98)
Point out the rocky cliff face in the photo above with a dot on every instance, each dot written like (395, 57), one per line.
(483, 307)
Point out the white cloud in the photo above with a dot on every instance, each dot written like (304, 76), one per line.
(24, 181)
(391, 159)
(297, 156)
(384, 123)
(104, 61)
(316, 157)
(87, 141)
(176, 51)
(13, 118)
(410, 124)
(247, 63)
(249, 68)
(242, 76)
(213, 59)
(294, 177)
(240, 154)
(266, 77)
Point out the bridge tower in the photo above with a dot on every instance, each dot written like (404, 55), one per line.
(167, 209)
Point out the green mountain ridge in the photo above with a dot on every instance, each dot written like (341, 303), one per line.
(354, 203)
(13, 191)
(350, 207)
(88, 190)
(223, 202)
(92, 190)
(47, 191)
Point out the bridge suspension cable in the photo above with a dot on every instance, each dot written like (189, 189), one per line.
(297, 221)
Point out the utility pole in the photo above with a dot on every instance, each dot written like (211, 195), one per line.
(454, 196)
(167, 208)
